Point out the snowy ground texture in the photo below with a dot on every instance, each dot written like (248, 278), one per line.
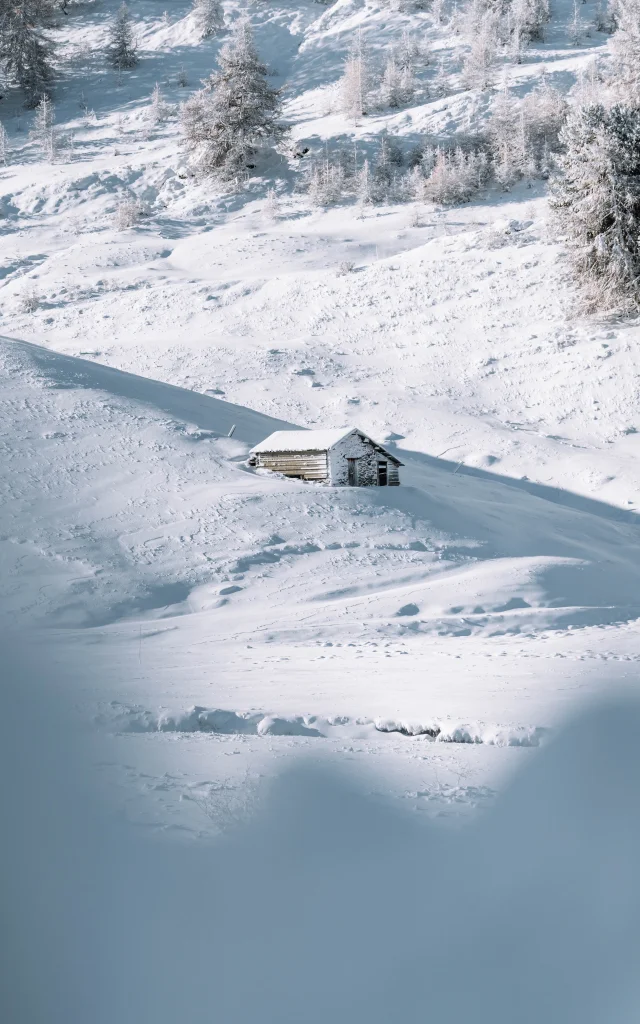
(223, 620)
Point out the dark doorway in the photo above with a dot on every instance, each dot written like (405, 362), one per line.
(382, 474)
(352, 477)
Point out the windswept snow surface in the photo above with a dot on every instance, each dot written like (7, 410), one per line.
(484, 598)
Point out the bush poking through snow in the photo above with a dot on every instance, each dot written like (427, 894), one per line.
(226, 122)
(128, 213)
(597, 204)
(158, 110)
(123, 49)
(346, 267)
(28, 299)
(271, 207)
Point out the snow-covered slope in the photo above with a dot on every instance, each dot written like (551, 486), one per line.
(132, 526)
(476, 602)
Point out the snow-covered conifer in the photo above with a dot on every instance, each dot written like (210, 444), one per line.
(43, 130)
(597, 204)
(210, 17)
(625, 44)
(355, 84)
(236, 112)
(123, 49)
(25, 51)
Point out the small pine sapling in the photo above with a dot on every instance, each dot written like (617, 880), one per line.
(123, 49)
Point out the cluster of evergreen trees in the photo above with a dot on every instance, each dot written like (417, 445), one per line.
(596, 198)
(26, 52)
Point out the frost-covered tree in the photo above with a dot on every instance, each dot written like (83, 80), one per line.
(4, 145)
(577, 26)
(524, 135)
(26, 53)
(236, 112)
(398, 84)
(479, 64)
(327, 181)
(365, 186)
(625, 44)
(209, 16)
(355, 84)
(455, 175)
(440, 84)
(122, 49)
(597, 204)
(529, 18)
(271, 207)
(545, 112)
(505, 131)
(158, 110)
(43, 130)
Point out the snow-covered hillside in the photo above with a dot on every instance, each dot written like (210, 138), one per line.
(477, 602)
(456, 334)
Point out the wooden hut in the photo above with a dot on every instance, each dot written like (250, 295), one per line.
(345, 457)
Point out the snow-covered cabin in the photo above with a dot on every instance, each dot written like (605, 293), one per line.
(340, 457)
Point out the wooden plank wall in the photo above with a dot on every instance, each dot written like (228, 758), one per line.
(307, 465)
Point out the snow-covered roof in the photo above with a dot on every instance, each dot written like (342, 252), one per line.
(312, 441)
(302, 440)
